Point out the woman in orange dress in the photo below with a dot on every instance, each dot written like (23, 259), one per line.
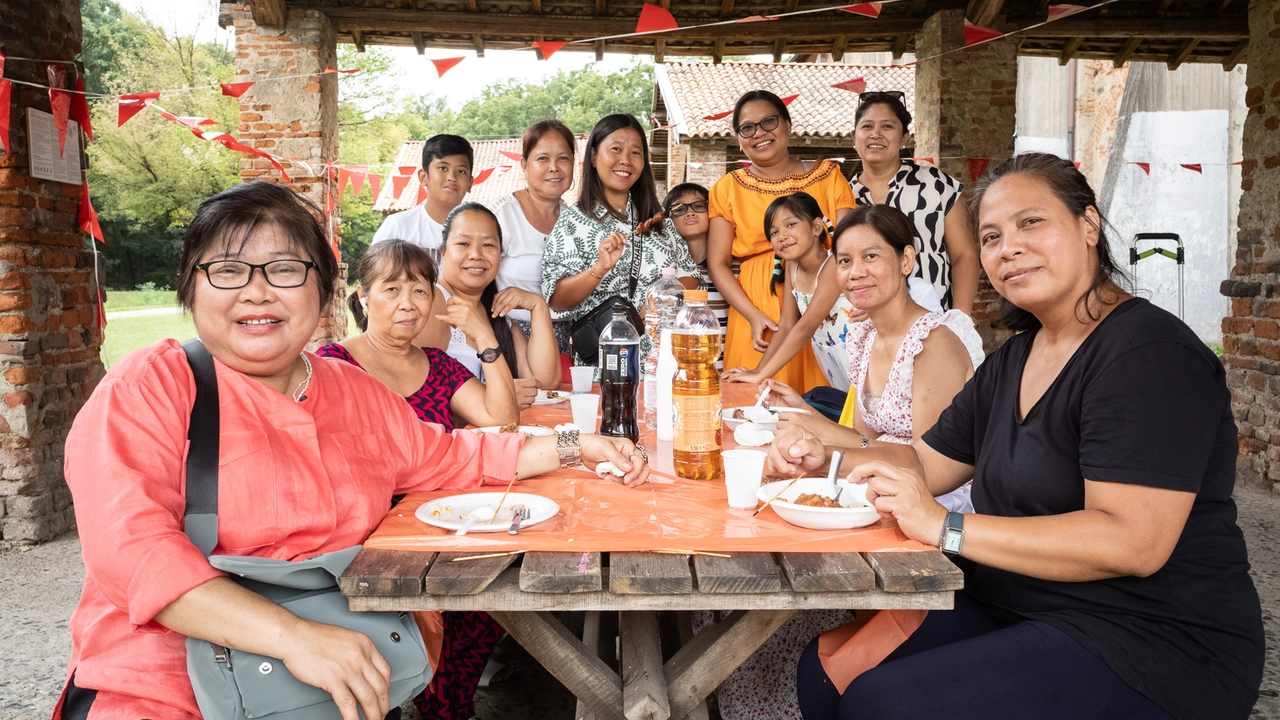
(738, 202)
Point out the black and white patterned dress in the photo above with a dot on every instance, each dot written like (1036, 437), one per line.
(925, 195)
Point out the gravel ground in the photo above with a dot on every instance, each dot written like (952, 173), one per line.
(39, 588)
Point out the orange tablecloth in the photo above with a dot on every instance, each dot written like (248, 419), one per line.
(601, 516)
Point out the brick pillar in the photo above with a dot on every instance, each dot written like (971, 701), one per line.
(1250, 335)
(294, 118)
(711, 156)
(965, 106)
(48, 343)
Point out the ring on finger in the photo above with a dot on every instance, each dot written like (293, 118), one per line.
(641, 452)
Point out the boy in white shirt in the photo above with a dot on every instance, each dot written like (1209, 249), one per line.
(446, 174)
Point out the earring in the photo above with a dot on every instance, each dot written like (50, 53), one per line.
(364, 305)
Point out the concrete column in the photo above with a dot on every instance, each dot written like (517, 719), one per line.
(295, 118)
(1251, 333)
(965, 107)
(49, 360)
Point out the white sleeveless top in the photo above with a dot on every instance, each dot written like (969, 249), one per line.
(459, 349)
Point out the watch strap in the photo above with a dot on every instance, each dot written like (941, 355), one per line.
(569, 449)
(952, 538)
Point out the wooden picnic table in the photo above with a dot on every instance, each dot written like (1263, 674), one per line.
(760, 589)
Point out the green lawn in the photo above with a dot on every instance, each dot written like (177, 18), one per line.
(124, 335)
(138, 299)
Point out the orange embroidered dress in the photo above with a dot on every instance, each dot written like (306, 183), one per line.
(741, 198)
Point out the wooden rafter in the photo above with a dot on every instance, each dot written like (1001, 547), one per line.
(717, 55)
(1230, 28)
(599, 50)
(478, 41)
(778, 46)
(900, 44)
(1237, 54)
(471, 6)
(1126, 51)
(270, 13)
(537, 6)
(917, 7)
(1069, 50)
(837, 47)
(659, 50)
(1163, 6)
(983, 12)
(791, 6)
(1223, 6)
(420, 43)
(726, 8)
(357, 37)
(1183, 52)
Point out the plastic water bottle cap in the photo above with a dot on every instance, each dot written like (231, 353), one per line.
(669, 272)
(695, 295)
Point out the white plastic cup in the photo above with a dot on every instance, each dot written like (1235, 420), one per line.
(583, 376)
(586, 407)
(742, 472)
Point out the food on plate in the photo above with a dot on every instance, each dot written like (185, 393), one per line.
(510, 428)
(739, 415)
(552, 394)
(815, 500)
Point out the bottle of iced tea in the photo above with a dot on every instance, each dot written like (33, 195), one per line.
(695, 393)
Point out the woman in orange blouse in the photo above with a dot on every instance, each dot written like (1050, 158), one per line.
(738, 202)
(311, 451)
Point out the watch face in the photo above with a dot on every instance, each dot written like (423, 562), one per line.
(951, 543)
(488, 355)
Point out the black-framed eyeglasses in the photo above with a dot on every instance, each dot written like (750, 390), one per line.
(881, 96)
(748, 129)
(698, 206)
(234, 274)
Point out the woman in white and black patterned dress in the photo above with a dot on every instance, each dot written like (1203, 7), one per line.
(947, 260)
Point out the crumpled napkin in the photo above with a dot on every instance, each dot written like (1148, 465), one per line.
(749, 434)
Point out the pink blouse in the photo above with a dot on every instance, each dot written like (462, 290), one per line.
(295, 480)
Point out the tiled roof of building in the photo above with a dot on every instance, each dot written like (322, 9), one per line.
(692, 91)
(488, 154)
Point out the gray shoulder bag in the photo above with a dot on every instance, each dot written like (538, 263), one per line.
(236, 685)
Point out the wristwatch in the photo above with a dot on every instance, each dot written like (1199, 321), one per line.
(952, 534)
(488, 355)
(568, 448)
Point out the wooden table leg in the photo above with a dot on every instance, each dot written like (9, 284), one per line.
(704, 663)
(644, 687)
(566, 657)
(684, 624)
(591, 639)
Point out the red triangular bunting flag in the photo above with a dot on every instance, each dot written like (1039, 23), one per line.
(548, 48)
(88, 218)
(870, 9)
(398, 184)
(344, 72)
(422, 195)
(235, 89)
(655, 19)
(1146, 167)
(1077, 164)
(977, 166)
(100, 311)
(758, 18)
(789, 99)
(231, 143)
(2, 57)
(358, 174)
(375, 185)
(745, 163)
(1193, 166)
(406, 169)
(511, 155)
(718, 116)
(482, 176)
(1238, 162)
(80, 108)
(856, 85)
(190, 121)
(924, 159)
(60, 100)
(1057, 12)
(6, 89)
(443, 65)
(344, 176)
(132, 104)
(974, 34)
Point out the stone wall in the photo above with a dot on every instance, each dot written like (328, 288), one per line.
(49, 345)
(293, 118)
(1251, 333)
(958, 117)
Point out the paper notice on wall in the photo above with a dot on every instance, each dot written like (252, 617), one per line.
(42, 141)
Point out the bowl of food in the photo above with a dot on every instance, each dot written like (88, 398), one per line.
(810, 503)
(731, 418)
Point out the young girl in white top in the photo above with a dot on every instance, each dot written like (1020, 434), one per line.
(813, 308)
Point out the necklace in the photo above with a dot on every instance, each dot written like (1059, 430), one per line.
(306, 381)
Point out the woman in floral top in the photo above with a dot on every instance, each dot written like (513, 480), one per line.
(589, 254)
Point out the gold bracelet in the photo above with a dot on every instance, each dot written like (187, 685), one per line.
(592, 269)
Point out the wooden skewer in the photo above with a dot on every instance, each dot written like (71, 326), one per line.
(691, 552)
(489, 555)
(504, 497)
(775, 497)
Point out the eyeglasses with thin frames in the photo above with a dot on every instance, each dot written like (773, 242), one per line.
(698, 206)
(234, 274)
(748, 129)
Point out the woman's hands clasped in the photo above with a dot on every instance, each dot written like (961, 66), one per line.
(595, 449)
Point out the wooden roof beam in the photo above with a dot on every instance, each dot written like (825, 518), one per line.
(1126, 51)
(601, 7)
(838, 46)
(726, 8)
(900, 44)
(1163, 6)
(1069, 50)
(357, 37)
(537, 6)
(1236, 56)
(599, 50)
(1183, 52)
(1229, 28)
(791, 6)
(420, 42)
(478, 42)
(778, 46)
(983, 12)
(659, 50)
(917, 7)
(717, 55)
(270, 13)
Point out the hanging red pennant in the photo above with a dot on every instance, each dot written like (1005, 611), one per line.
(190, 121)
(977, 166)
(231, 143)
(443, 65)
(358, 173)
(924, 159)
(6, 89)
(745, 163)
(870, 9)
(132, 104)
(1238, 162)
(342, 72)
(80, 108)
(511, 155)
(655, 19)
(856, 85)
(1146, 167)
(398, 184)
(2, 59)
(235, 89)
(422, 195)
(757, 18)
(88, 218)
(1195, 167)
(549, 48)
(974, 34)
(406, 169)
(1077, 164)
(718, 116)
(100, 310)
(344, 176)
(789, 99)
(1057, 12)
(375, 185)
(483, 175)
(60, 101)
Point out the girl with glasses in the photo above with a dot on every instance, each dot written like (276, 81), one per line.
(738, 202)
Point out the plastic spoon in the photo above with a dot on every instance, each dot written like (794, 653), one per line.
(834, 471)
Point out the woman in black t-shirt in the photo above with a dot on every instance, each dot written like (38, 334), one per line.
(1105, 572)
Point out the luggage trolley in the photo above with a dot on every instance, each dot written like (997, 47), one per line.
(1178, 255)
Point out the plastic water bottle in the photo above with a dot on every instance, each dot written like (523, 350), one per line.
(619, 378)
(695, 392)
(661, 305)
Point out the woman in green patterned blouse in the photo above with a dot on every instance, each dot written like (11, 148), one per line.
(589, 254)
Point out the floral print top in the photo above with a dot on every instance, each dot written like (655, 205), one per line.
(829, 340)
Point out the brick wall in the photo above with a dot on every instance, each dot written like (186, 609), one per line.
(1251, 333)
(295, 118)
(49, 359)
(958, 117)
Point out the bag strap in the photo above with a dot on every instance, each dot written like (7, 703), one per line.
(200, 522)
(637, 258)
